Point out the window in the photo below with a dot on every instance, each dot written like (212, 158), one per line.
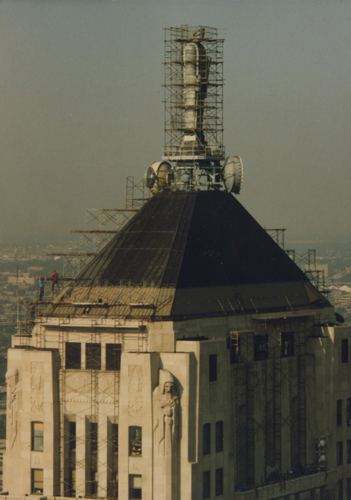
(234, 345)
(113, 356)
(260, 347)
(73, 355)
(114, 438)
(206, 484)
(93, 437)
(339, 412)
(37, 436)
(348, 491)
(348, 412)
(206, 439)
(135, 491)
(135, 441)
(340, 490)
(348, 451)
(219, 482)
(287, 342)
(93, 356)
(37, 481)
(71, 436)
(344, 350)
(219, 436)
(213, 367)
(339, 453)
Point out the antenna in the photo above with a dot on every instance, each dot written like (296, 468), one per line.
(194, 155)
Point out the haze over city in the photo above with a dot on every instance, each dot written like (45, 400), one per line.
(81, 108)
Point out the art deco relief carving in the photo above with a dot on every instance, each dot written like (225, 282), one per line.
(135, 388)
(37, 387)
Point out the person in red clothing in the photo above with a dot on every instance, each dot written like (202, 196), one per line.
(54, 278)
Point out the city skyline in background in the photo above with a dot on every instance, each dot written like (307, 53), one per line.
(81, 109)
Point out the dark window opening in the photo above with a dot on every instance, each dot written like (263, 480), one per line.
(219, 482)
(135, 491)
(348, 412)
(93, 356)
(71, 436)
(340, 489)
(213, 367)
(287, 343)
(339, 412)
(114, 438)
(348, 491)
(234, 346)
(93, 437)
(37, 481)
(206, 439)
(260, 347)
(73, 355)
(339, 453)
(37, 436)
(345, 350)
(206, 484)
(72, 482)
(219, 436)
(113, 357)
(135, 441)
(348, 451)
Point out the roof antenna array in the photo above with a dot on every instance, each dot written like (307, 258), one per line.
(194, 157)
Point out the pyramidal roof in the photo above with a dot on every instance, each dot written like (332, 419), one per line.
(189, 254)
(190, 240)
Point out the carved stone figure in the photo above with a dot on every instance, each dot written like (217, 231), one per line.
(166, 430)
(12, 380)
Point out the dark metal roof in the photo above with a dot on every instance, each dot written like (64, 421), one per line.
(191, 240)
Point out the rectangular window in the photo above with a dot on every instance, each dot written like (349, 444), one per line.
(93, 437)
(287, 344)
(345, 351)
(213, 367)
(72, 436)
(93, 356)
(348, 412)
(73, 355)
(135, 441)
(135, 492)
(339, 412)
(348, 451)
(114, 438)
(348, 492)
(339, 453)
(340, 490)
(234, 345)
(206, 484)
(72, 482)
(219, 482)
(206, 439)
(113, 356)
(260, 347)
(219, 436)
(37, 436)
(37, 481)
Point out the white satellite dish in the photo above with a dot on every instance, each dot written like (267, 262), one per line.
(158, 171)
(233, 172)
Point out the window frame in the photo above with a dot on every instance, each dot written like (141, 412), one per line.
(206, 439)
(113, 360)
(134, 440)
(219, 436)
(71, 358)
(132, 488)
(35, 481)
(219, 482)
(206, 484)
(92, 360)
(339, 453)
(344, 350)
(37, 437)
(260, 347)
(287, 344)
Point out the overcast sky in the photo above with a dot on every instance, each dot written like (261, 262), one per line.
(81, 108)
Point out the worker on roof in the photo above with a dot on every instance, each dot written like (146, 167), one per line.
(41, 283)
(54, 278)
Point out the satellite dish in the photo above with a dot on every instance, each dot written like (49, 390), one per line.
(233, 172)
(150, 177)
(158, 173)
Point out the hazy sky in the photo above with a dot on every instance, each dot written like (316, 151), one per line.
(81, 108)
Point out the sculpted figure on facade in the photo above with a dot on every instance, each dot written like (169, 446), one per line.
(13, 388)
(167, 403)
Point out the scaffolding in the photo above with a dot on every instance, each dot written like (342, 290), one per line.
(193, 104)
